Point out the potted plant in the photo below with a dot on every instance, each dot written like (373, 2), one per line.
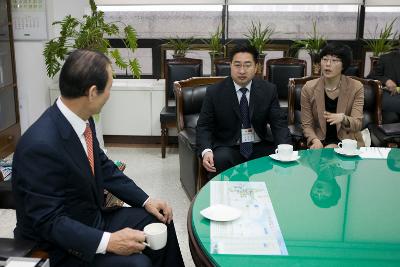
(215, 44)
(258, 37)
(180, 46)
(90, 33)
(382, 43)
(216, 48)
(313, 45)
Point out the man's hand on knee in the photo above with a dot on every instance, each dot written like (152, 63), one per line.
(208, 162)
(160, 209)
(126, 242)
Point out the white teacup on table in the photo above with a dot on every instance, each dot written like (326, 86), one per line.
(348, 146)
(284, 151)
(156, 235)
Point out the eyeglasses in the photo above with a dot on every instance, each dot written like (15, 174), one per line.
(334, 61)
(245, 66)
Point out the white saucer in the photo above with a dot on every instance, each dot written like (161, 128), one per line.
(340, 151)
(295, 156)
(221, 213)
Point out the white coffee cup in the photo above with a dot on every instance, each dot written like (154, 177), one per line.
(348, 145)
(156, 235)
(284, 151)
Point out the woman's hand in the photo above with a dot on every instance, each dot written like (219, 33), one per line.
(334, 118)
(316, 143)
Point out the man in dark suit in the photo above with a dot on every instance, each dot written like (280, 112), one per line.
(388, 72)
(60, 173)
(232, 126)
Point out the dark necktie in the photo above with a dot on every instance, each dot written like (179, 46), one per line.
(245, 148)
(89, 144)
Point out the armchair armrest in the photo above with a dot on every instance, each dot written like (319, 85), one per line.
(298, 139)
(379, 138)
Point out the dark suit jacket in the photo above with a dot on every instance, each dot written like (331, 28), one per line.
(219, 122)
(388, 67)
(59, 201)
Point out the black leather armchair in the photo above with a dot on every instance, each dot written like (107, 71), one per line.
(222, 67)
(355, 69)
(373, 100)
(378, 137)
(189, 95)
(175, 70)
(279, 70)
(294, 111)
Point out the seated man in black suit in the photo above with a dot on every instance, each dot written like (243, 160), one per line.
(60, 173)
(388, 72)
(233, 122)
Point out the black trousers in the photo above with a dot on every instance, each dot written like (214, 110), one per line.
(138, 218)
(226, 157)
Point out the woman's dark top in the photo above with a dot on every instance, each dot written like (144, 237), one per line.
(331, 133)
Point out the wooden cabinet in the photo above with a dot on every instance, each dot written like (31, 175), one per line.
(10, 130)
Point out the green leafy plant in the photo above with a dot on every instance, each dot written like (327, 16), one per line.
(180, 46)
(259, 36)
(90, 33)
(215, 44)
(385, 41)
(313, 44)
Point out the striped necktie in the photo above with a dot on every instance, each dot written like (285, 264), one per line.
(246, 149)
(89, 145)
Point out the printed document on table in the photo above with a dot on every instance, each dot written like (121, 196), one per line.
(374, 152)
(256, 232)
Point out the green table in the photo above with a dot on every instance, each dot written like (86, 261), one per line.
(332, 211)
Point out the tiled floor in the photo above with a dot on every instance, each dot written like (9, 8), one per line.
(156, 176)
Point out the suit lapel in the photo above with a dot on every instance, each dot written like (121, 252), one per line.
(343, 98)
(233, 99)
(255, 94)
(320, 103)
(73, 147)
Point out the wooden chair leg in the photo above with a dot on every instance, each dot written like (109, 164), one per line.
(164, 136)
(202, 177)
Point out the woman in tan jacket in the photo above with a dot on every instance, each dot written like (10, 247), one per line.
(332, 105)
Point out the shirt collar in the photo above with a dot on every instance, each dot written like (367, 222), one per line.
(238, 87)
(76, 122)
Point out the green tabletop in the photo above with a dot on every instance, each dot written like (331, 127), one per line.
(332, 210)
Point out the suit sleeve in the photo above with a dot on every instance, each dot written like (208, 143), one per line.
(307, 120)
(40, 178)
(205, 124)
(277, 121)
(357, 112)
(119, 184)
